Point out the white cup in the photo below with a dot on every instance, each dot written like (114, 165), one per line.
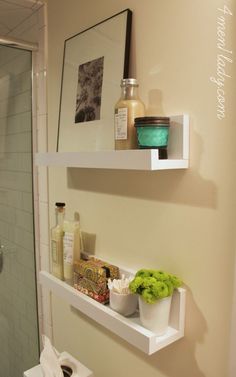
(125, 304)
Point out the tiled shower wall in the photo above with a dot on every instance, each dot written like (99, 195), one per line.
(16, 224)
(18, 314)
(34, 29)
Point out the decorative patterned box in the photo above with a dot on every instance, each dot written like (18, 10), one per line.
(91, 276)
(80, 285)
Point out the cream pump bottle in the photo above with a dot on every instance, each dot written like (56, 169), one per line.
(71, 248)
(57, 233)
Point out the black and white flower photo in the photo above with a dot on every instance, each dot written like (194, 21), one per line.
(89, 91)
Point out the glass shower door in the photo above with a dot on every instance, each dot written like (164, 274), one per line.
(19, 348)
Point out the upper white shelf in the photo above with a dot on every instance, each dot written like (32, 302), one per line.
(146, 159)
(129, 329)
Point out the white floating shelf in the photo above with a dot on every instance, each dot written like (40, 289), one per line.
(129, 329)
(145, 159)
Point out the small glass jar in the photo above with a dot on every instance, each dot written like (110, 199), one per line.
(127, 109)
(153, 132)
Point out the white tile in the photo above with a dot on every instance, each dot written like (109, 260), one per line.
(16, 162)
(42, 38)
(21, 142)
(46, 305)
(31, 33)
(36, 222)
(7, 56)
(16, 181)
(19, 123)
(4, 229)
(3, 29)
(47, 330)
(43, 221)
(17, 104)
(25, 162)
(43, 184)
(4, 109)
(7, 214)
(17, 61)
(23, 3)
(42, 133)
(41, 17)
(44, 254)
(3, 126)
(34, 86)
(20, 83)
(23, 29)
(14, 198)
(5, 87)
(3, 196)
(42, 106)
(24, 220)
(24, 239)
(14, 14)
(27, 204)
(37, 4)
(43, 48)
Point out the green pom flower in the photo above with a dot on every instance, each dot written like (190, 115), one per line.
(153, 285)
(135, 286)
(160, 289)
(148, 297)
(175, 281)
(170, 287)
(161, 275)
(148, 282)
(143, 273)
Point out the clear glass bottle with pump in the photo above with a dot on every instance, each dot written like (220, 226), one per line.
(127, 109)
(57, 233)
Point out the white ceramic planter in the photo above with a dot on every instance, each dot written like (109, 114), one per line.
(155, 317)
(125, 304)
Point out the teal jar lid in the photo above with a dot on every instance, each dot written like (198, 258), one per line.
(152, 121)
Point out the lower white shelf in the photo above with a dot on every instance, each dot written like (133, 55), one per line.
(129, 329)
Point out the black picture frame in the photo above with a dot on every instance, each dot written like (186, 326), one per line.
(94, 62)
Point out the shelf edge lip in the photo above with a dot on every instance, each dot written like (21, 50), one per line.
(71, 160)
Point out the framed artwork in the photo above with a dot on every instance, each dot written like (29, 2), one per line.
(95, 61)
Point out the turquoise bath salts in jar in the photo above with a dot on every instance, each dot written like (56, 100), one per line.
(153, 133)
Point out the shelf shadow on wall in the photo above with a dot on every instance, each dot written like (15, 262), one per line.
(178, 359)
(182, 187)
(175, 360)
(185, 186)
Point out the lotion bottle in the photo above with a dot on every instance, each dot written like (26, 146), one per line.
(57, 233)
(71, 248)
(127, 109)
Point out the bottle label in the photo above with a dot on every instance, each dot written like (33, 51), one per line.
(121, 121)
(68, 243)
(55, 256)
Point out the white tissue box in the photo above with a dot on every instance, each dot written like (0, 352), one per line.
(79, 370)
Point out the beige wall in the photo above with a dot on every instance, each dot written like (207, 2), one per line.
(181, 221)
